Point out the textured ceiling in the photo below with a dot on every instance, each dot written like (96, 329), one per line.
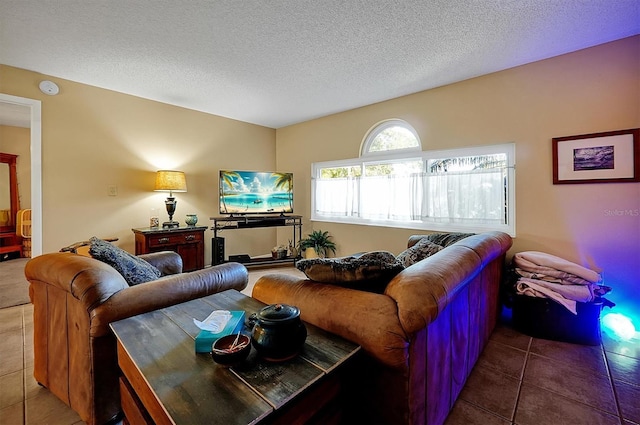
(280, 62)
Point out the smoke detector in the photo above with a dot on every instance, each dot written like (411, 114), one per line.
(49, 87)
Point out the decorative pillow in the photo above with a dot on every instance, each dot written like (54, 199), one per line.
(370, 271)
(421, 250)
(446, 239)
(134, 270)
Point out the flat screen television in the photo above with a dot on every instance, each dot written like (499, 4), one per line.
(255, 192)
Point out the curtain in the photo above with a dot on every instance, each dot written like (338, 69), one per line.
(375, 198)
(386, 197)
(337, 197)
(476, 196)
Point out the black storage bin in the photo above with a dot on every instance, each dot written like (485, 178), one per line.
(546, 319)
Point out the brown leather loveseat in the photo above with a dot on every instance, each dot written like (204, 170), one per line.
(75, 299)
(421, 337)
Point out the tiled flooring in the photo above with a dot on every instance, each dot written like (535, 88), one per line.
(523, 380)
(22, 400)
(518, 380)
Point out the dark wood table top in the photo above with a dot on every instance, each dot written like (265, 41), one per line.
(191, 388)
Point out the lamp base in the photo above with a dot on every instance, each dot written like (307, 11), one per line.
(170, 224)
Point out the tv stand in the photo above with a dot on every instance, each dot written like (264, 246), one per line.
(256, 221)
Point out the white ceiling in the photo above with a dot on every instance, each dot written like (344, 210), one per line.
(281, 62)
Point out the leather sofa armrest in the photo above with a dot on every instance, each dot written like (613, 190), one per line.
(365, 318)
(90, 281)
(424, 289)
(168, 262)
(166, 291)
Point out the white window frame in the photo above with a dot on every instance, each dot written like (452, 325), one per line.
(425, 156)
(379, 128)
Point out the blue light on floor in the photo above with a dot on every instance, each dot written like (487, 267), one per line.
(618, 326)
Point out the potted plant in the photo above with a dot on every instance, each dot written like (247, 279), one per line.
(319, 242)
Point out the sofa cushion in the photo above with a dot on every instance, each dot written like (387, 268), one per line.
(446, 239)
(370, 271)
(421, 250)
(134, 270)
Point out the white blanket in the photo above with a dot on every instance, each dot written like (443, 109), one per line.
(567, 279)
(532, 289)
(550, 265)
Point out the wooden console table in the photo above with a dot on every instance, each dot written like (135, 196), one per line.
(165, 382)
(186, 241)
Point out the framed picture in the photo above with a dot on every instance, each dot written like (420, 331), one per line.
(612, 157)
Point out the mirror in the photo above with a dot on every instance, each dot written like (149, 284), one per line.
(9, 204)
(5, 198)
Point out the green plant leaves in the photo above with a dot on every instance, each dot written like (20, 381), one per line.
(320, 240)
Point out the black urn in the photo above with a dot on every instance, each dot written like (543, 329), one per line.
(278, 334)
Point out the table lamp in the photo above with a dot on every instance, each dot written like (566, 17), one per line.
(170, 181)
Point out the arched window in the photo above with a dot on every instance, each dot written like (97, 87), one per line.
(394, 183)
(390, 135)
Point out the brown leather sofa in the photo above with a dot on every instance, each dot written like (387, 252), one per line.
(75, 299)
(421, 337)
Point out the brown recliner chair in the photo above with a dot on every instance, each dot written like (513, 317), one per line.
(75, 298)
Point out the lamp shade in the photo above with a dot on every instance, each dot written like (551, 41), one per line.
(170, 181)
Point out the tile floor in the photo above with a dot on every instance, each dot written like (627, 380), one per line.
(518, 380)
(523, 380)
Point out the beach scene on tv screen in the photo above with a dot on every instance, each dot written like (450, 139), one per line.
(254, 192)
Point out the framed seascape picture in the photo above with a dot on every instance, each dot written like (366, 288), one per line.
(612, 157)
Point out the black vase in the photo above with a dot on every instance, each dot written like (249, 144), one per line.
(279, 334)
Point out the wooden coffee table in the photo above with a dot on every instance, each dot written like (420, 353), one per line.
(165, 382)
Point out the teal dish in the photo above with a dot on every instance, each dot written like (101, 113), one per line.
(191, 219)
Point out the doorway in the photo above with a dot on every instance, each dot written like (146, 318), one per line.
(31, 108)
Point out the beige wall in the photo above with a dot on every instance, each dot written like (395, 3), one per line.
(593, 90)
(94, 138)
(16, 141)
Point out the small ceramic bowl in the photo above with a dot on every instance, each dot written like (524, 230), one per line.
(229, 351)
